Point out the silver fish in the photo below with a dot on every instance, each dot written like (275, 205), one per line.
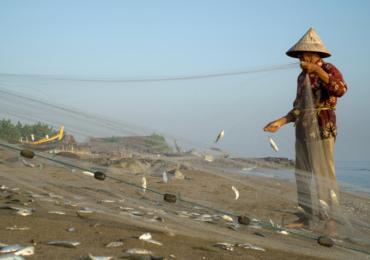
(75, 243)
(107, 201)
(57, 212)
(16, 189)
(18, 228)
(219, 137)
(28, 164)
(139, 251)
(84, 213)
(236, 192)
(145, 236)
(29, 250)
(301, 210)
(88, 173)
(11, 256)
(324, 208)
(40, 168)
(272, 223)
(143, 184)
(73, 170)
(165, 178)
(273, 145)
(11, 249)
(99, 257)
(247, 245)
(228, 218)
(226, 247)
(115, 244)
(283, 232)
(153, 242)
(23, 213)
(71, 229)
(334, 197)
(125, 208)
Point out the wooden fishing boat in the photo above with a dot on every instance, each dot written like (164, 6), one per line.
(45, 144)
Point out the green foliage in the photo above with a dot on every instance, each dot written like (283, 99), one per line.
(13, 133)
(113, 139)
(157, 143)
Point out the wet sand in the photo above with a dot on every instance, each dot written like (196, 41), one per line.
(178, 235)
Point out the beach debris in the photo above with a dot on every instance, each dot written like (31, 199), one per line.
(143, 184)
(153, 242)
(11, 249)
(244, 220)
(17, 228)
(206, 249)
(99, 176)
(84, 213)
(324, 208)
(334, 197)
(259, 234)
(88, 173)
(219, 137)
(169, 198)
(57, 212)
(247, 246)
(40, 168)
(27, 154)
(226, 217)
(325, 241)
(71, 229)
(23, 213)
(165, 178)
(67, 244)
(145, 236)
(114, 244)
(11, 256)
(28, 164)
(73, 170)
(273, 145)
(236, 192)
(99, 257)
(139, 251)
(29, 250)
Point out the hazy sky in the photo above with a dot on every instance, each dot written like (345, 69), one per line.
(144, 39)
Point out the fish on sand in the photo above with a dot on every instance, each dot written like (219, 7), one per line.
(236, 192)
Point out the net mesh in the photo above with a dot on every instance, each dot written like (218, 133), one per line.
(213, 186)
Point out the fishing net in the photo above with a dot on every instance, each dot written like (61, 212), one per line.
(178, 184)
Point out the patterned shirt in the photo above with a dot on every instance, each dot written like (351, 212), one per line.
(313, 108)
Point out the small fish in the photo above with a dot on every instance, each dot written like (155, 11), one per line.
(11, 256)
(40, 168)
(18, 228)
(11, 249)
(67, 244)
(139, 251)
(143, 184)
(115, 244)
(219, 137)
(195, 207)
(206, 249)
(324, 208)
(259, 234)
(272, 223)
(84, 213)
(153, 242)
(283, 232)
(216, 149)
(29, 250)
(99, 257)
(236, 192)
(145, 236)
(301, 210)
(228, 218)
(249, 168)
(27, 164)
(273, 145)
(88, 173)
(23, 213)
(334, 197)
(107, 201)
(71, 229)
(57, 212)
(226, 247)
(165, 178)
(233, 227)
(16, 189)
(125, 208)
(73, 170)
(225, 244)
(247, 245)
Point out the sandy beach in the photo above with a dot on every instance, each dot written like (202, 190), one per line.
(57, 188)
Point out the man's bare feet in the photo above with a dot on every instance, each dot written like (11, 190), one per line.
(300, 223)
(330, 228)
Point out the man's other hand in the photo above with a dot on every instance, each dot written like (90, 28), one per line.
(273, 126)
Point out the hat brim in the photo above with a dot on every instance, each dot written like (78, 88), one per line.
(294, 54)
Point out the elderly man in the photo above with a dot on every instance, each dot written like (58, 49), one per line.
(319, 86)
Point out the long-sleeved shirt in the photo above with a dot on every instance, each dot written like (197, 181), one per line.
(313, 108)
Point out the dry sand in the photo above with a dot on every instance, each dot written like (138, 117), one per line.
(178, 235)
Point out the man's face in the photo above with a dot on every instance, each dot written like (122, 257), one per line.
(305, 56)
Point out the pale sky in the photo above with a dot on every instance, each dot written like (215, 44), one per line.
(146, 39)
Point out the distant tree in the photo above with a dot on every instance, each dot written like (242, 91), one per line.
(113, 139)
(157, 143)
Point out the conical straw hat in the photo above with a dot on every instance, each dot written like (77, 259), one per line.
(310, 42)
